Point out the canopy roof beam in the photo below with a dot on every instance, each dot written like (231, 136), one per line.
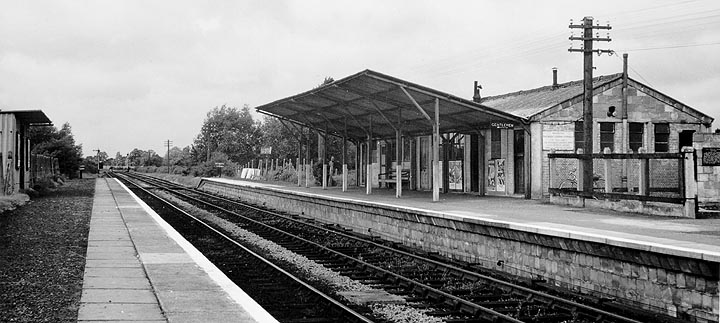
(410, 97)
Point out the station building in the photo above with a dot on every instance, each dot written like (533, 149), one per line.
(15, 173)
(496, 145)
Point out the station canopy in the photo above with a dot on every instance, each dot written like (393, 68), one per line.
(377, 105)
(30, 117)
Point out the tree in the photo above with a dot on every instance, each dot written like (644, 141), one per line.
(229, 131)
(283, 141)
(91, 162)
(59, 144)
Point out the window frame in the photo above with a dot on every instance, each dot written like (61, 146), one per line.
(662, 139)
(579, 135)
(641, 134)
(607, 136)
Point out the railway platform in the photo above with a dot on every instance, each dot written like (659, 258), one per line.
(660, 264)
(692, 238)
(139, 269)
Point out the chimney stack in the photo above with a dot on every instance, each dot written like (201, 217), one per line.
(555, 83)
(476, 96)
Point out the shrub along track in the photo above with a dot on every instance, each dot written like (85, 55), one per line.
(457, 294)
(42, 255)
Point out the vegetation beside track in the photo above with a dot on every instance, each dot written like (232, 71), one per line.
(42, 255)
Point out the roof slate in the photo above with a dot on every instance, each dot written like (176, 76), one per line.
(527, 103)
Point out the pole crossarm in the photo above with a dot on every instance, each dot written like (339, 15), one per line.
(598, 51)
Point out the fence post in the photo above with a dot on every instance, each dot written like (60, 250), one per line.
(690, 181)
(608, 171)
(307, 173)
(580, 171)
(643, 175)
(551, 171)
(345, 178)
(298, 169)
(324, 175)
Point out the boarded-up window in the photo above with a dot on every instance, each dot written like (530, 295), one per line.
(607, 136)
(636, 131)
(495, 144)
(662, 137)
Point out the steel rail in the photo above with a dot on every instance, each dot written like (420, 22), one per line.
(569, 305)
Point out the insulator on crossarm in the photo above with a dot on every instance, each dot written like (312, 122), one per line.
(597, 34)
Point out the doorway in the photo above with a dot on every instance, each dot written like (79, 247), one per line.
(685, 139)
(519, 161)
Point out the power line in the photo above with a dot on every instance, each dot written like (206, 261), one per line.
(668, 47)
(636, 72)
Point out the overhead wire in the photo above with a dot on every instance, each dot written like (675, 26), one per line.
(685, 19)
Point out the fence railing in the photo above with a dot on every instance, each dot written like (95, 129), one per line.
(657, 177)
(42, 167)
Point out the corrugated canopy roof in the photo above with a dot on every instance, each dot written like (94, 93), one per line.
(388, 102)
(30, 117)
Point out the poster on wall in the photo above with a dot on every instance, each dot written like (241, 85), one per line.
(558, 140)
(456, 175)
(491, 175)
(500, 177)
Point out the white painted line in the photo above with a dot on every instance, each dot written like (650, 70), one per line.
(234, 292)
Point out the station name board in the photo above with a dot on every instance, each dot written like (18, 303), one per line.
(501, 125)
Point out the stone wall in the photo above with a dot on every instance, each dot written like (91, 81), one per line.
(670, 284)
(708, 177)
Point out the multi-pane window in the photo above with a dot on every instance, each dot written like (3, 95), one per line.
(495, 146)
(662, 137)
(607, 136)
(636, 131)
(579, 135)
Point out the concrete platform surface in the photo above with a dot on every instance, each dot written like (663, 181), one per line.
(692, 238)
(139, 269)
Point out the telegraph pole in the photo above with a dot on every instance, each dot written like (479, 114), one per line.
(168, 143)
(587, 50)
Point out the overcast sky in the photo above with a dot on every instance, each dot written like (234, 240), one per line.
(132, 74)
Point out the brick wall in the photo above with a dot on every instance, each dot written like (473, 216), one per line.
(642, 108)
(678, 286)
(708, 177)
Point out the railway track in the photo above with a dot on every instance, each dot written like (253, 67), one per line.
(456, 292)
(286, 297)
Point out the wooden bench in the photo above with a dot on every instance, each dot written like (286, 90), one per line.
(390, 178)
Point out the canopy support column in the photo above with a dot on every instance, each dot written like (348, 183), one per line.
(436, 153)
(307, 162)
(324, 159)
(398, 165)
(398, 156)
(368, 162)
(344, 158)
